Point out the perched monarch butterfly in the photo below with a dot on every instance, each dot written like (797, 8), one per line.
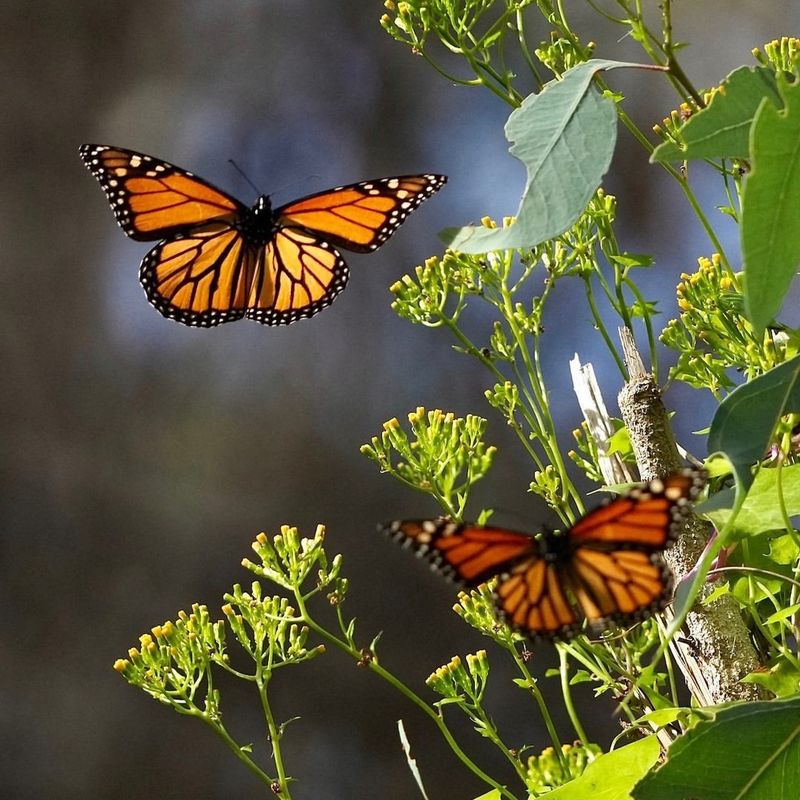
(219, 260)
(607, 567)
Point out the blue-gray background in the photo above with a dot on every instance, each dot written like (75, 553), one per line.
(140, 457)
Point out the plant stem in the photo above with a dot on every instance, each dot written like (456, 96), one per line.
(274, 737)
(563, 668)
(408, 693)
(236, 749)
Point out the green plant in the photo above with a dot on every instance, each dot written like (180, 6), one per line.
(728, 339)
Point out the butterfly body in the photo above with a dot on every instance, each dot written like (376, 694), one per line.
(608, 567)
(259, 224)
(218, 260)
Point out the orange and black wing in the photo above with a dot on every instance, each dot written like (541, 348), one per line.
(648, 517)
(362, 216)
(529, 595)
(616, 571)
(467, 554)
(201, 278)
(297, 275)
(212, 274)
(617, 585)
(153, 199)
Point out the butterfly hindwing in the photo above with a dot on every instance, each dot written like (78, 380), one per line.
(362, 216)
(531, 598)
(298, 275)
(202, 278)
(152, 199)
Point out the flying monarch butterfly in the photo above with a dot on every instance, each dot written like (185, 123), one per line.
(219, 261)
(607, 567)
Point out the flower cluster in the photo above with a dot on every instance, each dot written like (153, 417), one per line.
(712, 334)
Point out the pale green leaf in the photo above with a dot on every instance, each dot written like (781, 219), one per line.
(761, 510)
(746, 418)
(565, 136)
(748, 751)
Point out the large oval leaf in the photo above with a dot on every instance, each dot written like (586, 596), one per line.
(565, 136)
(748, 751)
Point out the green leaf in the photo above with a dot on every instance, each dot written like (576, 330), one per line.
(664, 716)
(494, 794)
(746, 418)
(783, 549)
(565, 136)
(748, 751)
(761, 509)
(770, 230)
(722, 129)
(721, 590)
(613, 775)
(783, 679)
(783, 613)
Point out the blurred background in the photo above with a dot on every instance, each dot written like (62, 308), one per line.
(141, 457)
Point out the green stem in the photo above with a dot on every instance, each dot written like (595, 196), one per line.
(523, 44)
(598, 323)
(531, 684)
(566, 691)
(407, 693)
(274, 737)
(236, 749)
(651, 339)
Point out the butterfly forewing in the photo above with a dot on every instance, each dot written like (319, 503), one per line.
(466, 553)
(362, 216)
(152, 199)
(647, 517)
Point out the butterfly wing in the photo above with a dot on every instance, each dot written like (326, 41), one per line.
(467, 554)
(616, 570)
(362, 216)
(296, 276)
(153, 199)
(647, 517)
(212, 274)
(201, 278)
(529, 594)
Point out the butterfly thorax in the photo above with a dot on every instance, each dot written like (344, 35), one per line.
(554, 547)
(258, 223)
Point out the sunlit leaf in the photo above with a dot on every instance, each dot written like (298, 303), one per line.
(746, 418)
(770, 229)
(613, 775)
(761, 510)
(750, 751)
(783, 679)
(565, 136)
(722, 129)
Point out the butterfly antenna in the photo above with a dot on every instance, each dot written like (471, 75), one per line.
(245, 176)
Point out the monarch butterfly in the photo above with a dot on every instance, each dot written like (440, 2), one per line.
(219, 261)
(607, 567)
